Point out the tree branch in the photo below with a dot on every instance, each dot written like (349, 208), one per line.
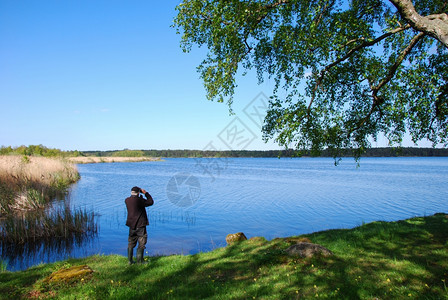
(267, 8)
(435, 25)
(377, 100)
(397, 63)
(275, 4)
(350, 53)
(324, 9)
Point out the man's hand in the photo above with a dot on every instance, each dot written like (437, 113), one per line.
(143, 191)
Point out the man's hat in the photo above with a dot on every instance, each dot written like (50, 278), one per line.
(135, 189)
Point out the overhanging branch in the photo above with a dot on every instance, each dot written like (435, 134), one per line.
(397, 63)
(435, 25)
(377, 100)
(352, 51)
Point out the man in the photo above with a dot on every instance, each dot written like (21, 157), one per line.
(137, 220)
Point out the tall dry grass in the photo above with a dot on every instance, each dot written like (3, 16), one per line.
(28, 183)
(27, 186)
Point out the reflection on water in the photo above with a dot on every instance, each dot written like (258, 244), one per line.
(18, 256)
(160, 217)
(260, 197)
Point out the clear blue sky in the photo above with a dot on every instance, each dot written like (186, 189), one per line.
(107, 75)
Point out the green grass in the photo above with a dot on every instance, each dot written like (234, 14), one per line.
(381, 260)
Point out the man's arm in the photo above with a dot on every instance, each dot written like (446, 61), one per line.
(148, 201)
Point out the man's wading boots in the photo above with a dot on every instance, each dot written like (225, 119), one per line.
(140, 259)
(130, 254)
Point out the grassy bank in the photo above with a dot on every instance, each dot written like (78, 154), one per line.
(397, 260)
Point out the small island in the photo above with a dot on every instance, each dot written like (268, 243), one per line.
(108, 159)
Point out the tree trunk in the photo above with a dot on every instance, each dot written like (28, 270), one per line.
(433, 25)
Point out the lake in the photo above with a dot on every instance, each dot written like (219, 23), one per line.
(199, 201)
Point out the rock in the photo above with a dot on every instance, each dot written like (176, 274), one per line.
(304, 249)
(235, 237)
(292, 240)
(64, 275)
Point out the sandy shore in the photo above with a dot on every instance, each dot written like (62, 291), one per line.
(108, 159)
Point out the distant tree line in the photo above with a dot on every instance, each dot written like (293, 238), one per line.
(371, 152)
(38, 150)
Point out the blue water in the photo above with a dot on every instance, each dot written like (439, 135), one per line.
(258, 196)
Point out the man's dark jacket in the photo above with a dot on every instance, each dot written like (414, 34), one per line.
(136, 210)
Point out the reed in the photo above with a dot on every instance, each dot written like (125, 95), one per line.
(28, 217)
(29, 182)
(3, 265)
(40, 226)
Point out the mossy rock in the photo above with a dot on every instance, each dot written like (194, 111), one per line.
(235, 237)
(304, 249)
(296, 240)
(66, 275)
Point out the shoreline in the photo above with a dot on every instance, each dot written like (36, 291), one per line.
(393, 260)
(108, 159)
